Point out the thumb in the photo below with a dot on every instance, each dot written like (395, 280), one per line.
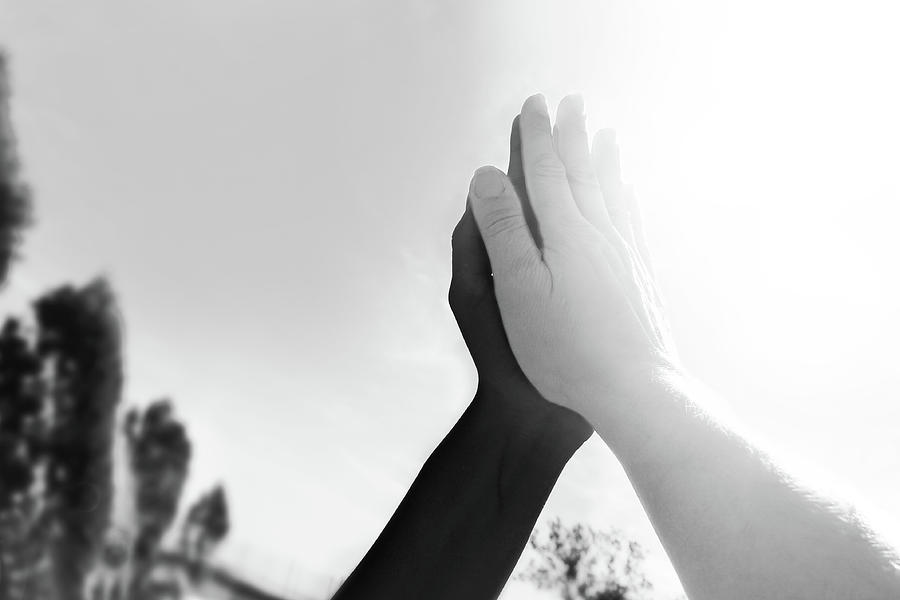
(501, 220)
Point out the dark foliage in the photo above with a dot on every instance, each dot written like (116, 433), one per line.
(21, 438)
(79, 343)
(583, 563)
(160, 453)
(206, 525)
(59, 387)
(15, 199)
(20, 406)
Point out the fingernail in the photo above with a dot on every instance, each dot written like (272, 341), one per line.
(487, 183)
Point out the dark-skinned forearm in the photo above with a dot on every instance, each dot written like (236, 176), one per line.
(462, 526)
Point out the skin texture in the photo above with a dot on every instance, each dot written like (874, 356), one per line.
(465, 520)
(585, 323)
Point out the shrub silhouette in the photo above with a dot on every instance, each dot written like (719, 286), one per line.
(583, 563)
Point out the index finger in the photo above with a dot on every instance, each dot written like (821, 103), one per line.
(545, 175)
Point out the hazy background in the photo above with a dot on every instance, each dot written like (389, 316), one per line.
(271, 186)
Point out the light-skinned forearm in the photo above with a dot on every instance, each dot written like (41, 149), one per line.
(734, 525)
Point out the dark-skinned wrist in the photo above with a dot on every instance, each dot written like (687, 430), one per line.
(537, 434)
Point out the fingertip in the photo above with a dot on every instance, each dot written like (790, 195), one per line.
(571, 107)
(514, 168)
(487, 182)
(500, 218)
(536, 104)
(515, 149)
(487, 170)
(535, 128)
(515, 137)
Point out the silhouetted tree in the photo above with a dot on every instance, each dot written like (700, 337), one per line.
(20, 399)
(205, 526)
(160, 453)
(21, 404)
(15, 205)
(58, 393)
(583, 563)
(79, 344)
(60, 383)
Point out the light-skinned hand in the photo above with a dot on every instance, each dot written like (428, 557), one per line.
(577, 300)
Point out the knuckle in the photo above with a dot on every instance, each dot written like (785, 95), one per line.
(503, 222)
(548, 166)
(524, 263)
(581, 175)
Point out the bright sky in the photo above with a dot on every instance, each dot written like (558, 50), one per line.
(271, 188)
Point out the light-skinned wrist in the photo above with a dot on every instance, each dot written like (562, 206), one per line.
(635, 420)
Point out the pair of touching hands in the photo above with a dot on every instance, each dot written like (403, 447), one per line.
(555, 299)
(552, 288)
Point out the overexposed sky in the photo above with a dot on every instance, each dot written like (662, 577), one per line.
(271, 187)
